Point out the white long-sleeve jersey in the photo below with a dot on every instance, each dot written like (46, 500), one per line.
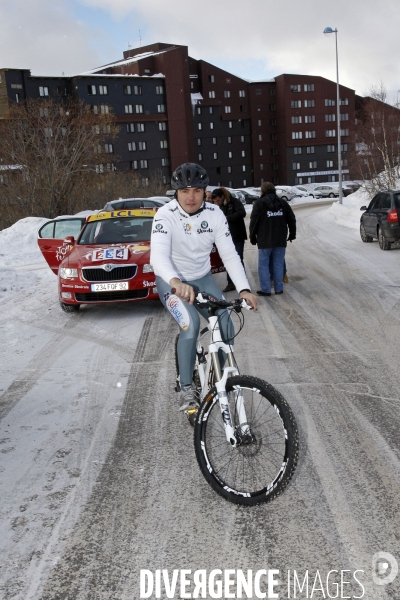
(181, 244)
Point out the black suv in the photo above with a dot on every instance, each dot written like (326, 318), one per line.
(381, 219)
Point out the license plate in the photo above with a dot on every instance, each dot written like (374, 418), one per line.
(109, 287)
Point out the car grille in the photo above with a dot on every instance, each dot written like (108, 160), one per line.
(112, 296)
(116, 274)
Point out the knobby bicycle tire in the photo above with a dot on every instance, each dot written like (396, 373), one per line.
(256, 471)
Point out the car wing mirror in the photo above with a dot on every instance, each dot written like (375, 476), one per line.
(69, 240)
(363, 208)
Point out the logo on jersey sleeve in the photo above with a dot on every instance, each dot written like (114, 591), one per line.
(159, 228)
(204, 228)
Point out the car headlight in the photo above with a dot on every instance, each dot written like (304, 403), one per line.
(148, 269)
(68, 273)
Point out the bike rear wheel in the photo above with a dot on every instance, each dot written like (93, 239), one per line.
(259, 468)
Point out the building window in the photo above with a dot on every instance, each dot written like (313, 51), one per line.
(165, 162)
(312, 164)
(343, 147)
(243, 167)
(329, 164)
(344, 132)
(142, 146)
(108, 148)
(272, 122)
(242, 94)
(211, 125)
(344, 162)
(161, 108)
(128, 108)
(163, 144)
(330, 132)
(140, 127)
(330, 102)
(227, 109)
(134, 164)
(344, 117)
(296, 166)
(43, 112)
(309, 103)
(132, 146)
(229, 154)
(211, 94)
(297, 150)
(296, 120)
(274, 166)
(144, 164)
(243, 153)
(258, 92)
(227, 94)
(147, 71)
(211, 78)
(330, 148)
(137, 90)
(230, 124)
(199, 126)
(62, 91)
(229, 139)
(43, 91)
(331, 178)
(344, 101)
(215, 155)
(210, 110)
(127, 90)
(260, 137)
(162, 126)
(243, 108)
(244, 182)
(274, 151)
(91, 90)
(295, 104)
(259, 122)
(308, 87)
(330, 118)
(199, 141)
(192, 88)
(261, 167)
(200, 156)
(310, 149)
(295, 88)
(297, 135)
(273, 137)
(272, 107)
(214, 141)
(272, 91)
(199, 110)
(229, 169)
(103, 90)
(159, 89)
(260, 152)
(309, 119)
(310, 134)
(104, 109)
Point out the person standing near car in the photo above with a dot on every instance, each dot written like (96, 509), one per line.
(270, 220)
(235, 213)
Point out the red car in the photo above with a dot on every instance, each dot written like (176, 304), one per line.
(104, 257)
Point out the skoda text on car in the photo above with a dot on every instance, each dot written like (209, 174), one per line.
(381, 219)
(104, 257)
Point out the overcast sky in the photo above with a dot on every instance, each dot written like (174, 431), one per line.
(255, 39)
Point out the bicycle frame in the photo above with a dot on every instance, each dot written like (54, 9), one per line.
(221, 379)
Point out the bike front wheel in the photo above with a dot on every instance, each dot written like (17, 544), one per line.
(262, 463)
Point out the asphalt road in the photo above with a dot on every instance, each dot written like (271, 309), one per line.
(136, 498)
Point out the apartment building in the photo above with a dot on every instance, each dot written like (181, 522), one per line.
(172, 108)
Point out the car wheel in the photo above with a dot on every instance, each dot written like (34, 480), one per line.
(70, 308)
(383, 243)
(364, 235)
(331, 195)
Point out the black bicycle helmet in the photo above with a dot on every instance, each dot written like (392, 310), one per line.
(189, 175)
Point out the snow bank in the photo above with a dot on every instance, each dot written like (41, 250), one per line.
(348, 213)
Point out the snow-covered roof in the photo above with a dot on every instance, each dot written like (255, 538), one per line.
(156, 75)
(126, 61)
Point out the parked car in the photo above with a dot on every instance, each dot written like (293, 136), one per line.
(129, 203)
(308, 192)
(104, 257)
(240, 195)
(285, 192)
(249, 197)
(326, 191)
(381, 219)
(299, 193)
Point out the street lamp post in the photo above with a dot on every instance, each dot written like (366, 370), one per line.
(327, 31)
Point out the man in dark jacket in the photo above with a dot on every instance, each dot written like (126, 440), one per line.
(235, 213)
(269, 222)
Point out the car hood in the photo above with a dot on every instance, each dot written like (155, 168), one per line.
(96, 255)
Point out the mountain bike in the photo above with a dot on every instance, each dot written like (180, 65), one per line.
(245, 434)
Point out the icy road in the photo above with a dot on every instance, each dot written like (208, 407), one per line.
(98, 474)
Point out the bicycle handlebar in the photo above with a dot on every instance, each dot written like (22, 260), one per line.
(206, 301)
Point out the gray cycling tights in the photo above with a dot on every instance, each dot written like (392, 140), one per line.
(187, 317)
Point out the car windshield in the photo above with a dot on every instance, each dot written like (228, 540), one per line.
(117, 231)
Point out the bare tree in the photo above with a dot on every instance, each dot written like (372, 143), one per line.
(48, 152)
(377, 141)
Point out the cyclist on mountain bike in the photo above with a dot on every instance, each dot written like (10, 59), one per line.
(183, 234)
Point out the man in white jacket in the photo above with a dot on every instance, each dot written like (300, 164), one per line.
(184, 231)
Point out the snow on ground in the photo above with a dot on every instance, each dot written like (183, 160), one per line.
(348, 213)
